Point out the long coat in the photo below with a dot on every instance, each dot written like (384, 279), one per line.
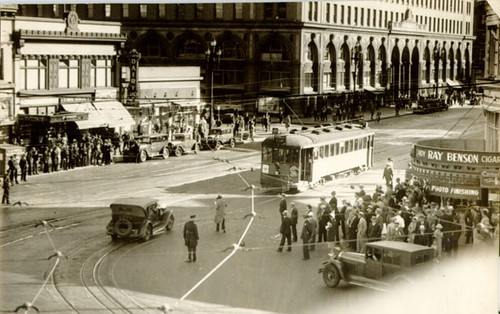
(286, 226)
(306, 231)
(191, 234)
(220, 210)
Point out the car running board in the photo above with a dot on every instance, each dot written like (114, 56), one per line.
(368, 283)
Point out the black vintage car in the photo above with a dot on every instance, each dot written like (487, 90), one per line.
(430, 105)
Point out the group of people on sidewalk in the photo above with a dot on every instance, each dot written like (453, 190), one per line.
(400, 214)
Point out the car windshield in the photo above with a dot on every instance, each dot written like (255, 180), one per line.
(144, 139)
(215, 132)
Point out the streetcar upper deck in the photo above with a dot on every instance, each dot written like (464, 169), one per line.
(313, 136)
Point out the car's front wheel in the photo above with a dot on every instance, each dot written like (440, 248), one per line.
(114, 237)
(170, 223)
(143, 156)
(232, 143)
(148, 233)
(331, 276)
(178, 151)
(165, 152)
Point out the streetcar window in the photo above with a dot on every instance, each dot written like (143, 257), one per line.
(356, 144)
(279, 155)
(321, 151)
(364, 142)
(292, 155)
(346, 146)
(332, 149)
(337, 148)
(315, 153)
(327, 150)
(351, 145)
(267, 154)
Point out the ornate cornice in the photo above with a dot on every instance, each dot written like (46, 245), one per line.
(28, 34)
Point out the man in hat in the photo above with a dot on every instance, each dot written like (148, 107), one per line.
(282, 206)
(333, 202)
(220, 214)
(191, 238)
(286, 232)
(388, 174)
(374, 229)
(421, 238)
(438, 241)
(306, 235)
(446, 221)
(295, 219)
(361, 233)
(323, 217)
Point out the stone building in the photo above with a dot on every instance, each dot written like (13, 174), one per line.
(299, 50)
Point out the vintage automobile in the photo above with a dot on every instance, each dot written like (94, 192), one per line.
(147, 146)
(139, 217)
(379, 268)
(183, 143)
(430, 105)
(218, 137)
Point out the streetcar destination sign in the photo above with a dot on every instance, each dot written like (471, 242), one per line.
(458, 157)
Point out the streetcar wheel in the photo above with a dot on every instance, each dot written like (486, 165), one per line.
(148, 234)
(232, 143)
(165, 153)
(143, 156)
(178, 151)
(170, 223)
(331, 276)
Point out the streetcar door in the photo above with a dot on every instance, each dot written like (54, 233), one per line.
(369, 151)
(306, 160)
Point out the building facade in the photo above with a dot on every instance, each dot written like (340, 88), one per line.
(65, 73)
(299, 50)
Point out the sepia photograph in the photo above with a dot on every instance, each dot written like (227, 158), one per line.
(250, 157)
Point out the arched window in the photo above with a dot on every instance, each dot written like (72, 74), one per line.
(152, 46)
(274, 66)
(190, 48)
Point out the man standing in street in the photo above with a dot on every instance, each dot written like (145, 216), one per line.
(220, 213)
(333, 202)
(306, 236)
(388, 173)
(286, 232)
(6, 189)
(13, 169)
(191, 238)
(295, 219)
(23, 164)
(282, 206)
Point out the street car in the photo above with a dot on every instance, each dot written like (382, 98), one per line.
(218, 137)
(183, 143)
(430, 105)
(147, 146)
(381, 266)
(140, 217)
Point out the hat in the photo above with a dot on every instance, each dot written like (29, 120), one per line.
(423, 227)
(310, 214)
(284, 213)
(333, 193)
(192, 216)
(374, 217)
(322, 198)
(361, 186)
(292, 203)
(283, 194)
(438, 226)
(218, 196)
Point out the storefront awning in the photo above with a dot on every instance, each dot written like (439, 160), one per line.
(95, 120)
(374, 90)
(189, 104)
(115, 114)
(453, 84)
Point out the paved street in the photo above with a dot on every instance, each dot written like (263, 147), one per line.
(257, 278)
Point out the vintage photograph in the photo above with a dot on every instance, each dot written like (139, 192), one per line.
(250, 157)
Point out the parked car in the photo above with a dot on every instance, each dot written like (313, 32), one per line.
(381, 264)
(138, 217)
(147, 146)
(430, 105)
(183, 143)
(218, 137)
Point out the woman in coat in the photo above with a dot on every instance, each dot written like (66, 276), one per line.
(220, 213)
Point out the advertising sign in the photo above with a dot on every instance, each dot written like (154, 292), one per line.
(454, 191)
(490, 180)
(467, 158)
(133, 86)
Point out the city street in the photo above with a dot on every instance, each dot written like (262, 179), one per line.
(256, 278)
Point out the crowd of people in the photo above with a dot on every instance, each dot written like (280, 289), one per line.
(402, 213)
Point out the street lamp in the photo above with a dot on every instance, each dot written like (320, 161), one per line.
(213, 57)
(437, 53)
(356, 56)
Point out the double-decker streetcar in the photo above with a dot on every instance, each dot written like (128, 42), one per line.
(305, 157)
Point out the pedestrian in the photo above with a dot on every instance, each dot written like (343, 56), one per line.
(6, 189)
(388, 174)
(362, 229)
(288, 122)
(314, 228)
(35, 161)
(191, 238)
(352, 231)
(220, 213)
(282, 206)
(438, 241)
(332, 232)
(323, 217)
(469, 221)
(306, 236)
(455, 235)
(333, 202)
(13, 169)
(286, 232)
(295, 218)
(23, 165)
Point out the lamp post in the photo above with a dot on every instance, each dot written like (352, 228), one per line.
(213, 58)
(437, 56)
(356, 56)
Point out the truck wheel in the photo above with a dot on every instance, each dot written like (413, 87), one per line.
(148, 234)
(165, 152)
(143, 156)
(178, 151)
(331, 276)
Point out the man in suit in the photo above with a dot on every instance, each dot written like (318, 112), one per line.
(286, 232)
(191, 238)
(295, 219)
(333, 202)
(306, 236)
(352, 229)
(282, 206)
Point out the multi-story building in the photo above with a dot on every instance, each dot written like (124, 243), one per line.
(302, 49)
(65, 73)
